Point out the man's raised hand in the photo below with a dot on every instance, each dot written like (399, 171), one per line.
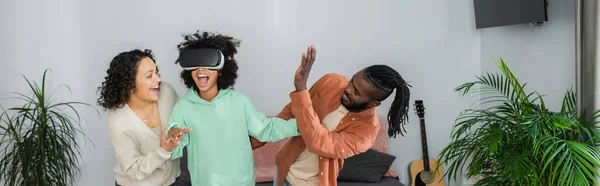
(303, 71)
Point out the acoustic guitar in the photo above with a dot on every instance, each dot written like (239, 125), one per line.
(423, 171)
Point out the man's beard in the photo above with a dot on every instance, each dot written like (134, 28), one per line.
(355, 107)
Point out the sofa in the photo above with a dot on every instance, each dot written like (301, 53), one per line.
(371, 168)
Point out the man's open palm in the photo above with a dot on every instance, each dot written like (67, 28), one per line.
(308, 59)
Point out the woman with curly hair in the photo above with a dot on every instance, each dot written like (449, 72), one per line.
(130, 94)
(219, 151)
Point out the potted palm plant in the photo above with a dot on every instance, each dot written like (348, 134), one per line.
(511, 138)
(39, 139)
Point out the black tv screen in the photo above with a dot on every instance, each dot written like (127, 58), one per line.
(493, 13)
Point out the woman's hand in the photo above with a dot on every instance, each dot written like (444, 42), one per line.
(173, 140)
(176, 133)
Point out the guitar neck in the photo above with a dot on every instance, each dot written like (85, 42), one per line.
(424, 145)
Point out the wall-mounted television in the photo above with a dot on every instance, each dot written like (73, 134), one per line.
(494, 13)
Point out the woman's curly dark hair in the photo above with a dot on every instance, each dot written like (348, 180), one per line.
(228, 46)
(120, 78)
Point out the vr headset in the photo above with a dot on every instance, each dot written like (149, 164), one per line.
(192, 59)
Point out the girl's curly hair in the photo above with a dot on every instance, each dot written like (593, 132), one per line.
(120, 78)
(228, 46)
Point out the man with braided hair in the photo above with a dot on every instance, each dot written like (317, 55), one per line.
(336, 119)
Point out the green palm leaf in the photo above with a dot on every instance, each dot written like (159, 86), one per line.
(513, 139)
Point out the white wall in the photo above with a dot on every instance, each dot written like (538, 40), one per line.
(544, 57)
(432, 43)
(450, 57)
(48, 35)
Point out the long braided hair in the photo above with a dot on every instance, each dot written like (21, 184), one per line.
(386, 79)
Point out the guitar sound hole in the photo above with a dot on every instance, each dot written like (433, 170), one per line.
(424, 178)
(418, 181)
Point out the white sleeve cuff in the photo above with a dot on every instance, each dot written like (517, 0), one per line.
(163, 153)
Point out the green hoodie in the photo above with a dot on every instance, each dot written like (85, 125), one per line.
(218, 147)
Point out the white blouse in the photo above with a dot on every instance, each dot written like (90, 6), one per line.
(140, 159)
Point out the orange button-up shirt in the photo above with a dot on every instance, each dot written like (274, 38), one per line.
(354, 134)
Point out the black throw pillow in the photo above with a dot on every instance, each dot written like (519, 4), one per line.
(368, 167)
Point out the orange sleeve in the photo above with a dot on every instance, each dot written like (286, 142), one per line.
(319, 140)
(286, 112)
